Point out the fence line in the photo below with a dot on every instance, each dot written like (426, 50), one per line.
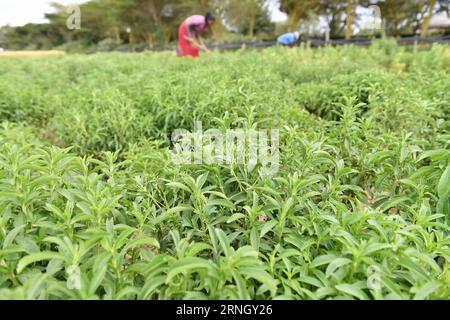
(313, 42)
(321, 42)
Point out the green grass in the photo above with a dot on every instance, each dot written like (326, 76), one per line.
(358, 210)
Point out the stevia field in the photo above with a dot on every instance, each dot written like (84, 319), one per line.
(92, 205)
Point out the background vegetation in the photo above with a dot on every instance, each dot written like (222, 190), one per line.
(111, 24)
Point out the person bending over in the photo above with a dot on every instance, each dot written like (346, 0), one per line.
(289, 39)
(191, 32)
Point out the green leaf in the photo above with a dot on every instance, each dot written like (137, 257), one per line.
(35, 257)
(323, 259)
(335, 264)
(29, 245)
(12, 235)
(426, 290)
(254, 239)
(143, 240)
(54, 266)
(221, 202)
(262, 276)
(241, 286)
(311, 281)
(13, 250)
(99, 271)
(179, 186)
(188, 265)
(235, 217)
(196, 248)
(435, 155)
(395, 201)
(352, 290)
(444, 184)
(268, 226)
(224, 242)
(167, 214)
(151, 286)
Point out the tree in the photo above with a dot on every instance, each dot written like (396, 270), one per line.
(244, 15)
(30, 36)
(334, 11)
(297, 10)
(350, 18)
(428, 9)
(427, 18)
(3, 35)
(397, 15)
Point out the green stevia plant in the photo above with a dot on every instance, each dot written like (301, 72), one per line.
(93, 205)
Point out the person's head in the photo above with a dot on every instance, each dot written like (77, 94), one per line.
(297, 35)
(210, 19)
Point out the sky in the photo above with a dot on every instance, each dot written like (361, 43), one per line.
(276, 14)
(20, 12)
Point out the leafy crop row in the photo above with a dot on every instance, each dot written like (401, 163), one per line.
(91, 206)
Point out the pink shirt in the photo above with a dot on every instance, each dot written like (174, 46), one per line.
(196, 24)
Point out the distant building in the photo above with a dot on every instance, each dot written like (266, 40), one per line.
(439, 22)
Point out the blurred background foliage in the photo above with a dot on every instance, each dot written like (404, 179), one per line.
(137, 24)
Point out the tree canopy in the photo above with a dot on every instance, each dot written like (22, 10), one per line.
(115, 23)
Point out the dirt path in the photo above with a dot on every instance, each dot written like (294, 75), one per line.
(31, 53)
